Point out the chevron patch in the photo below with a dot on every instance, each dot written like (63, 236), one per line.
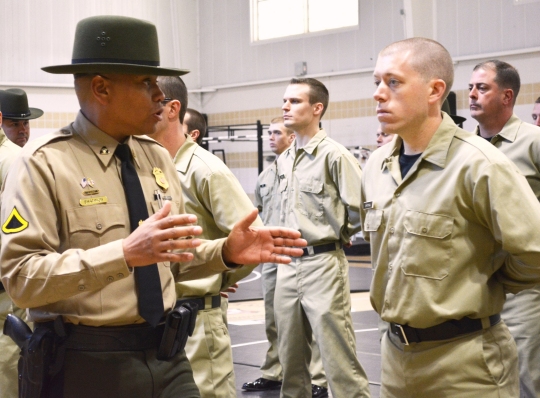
(14, 223)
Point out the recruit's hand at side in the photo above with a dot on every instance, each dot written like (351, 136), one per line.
(252, 245)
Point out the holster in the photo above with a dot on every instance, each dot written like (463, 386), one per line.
(39, 359)
(179, 325)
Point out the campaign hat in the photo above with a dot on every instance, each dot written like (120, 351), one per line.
(115, 44)
(14, 105)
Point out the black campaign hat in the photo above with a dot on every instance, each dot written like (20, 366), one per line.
(14, 105)
(115, 44)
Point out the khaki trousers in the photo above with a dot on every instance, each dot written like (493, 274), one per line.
(520, 313)
(210, 354)
(271, 367)
(477, 365)
(313, 299)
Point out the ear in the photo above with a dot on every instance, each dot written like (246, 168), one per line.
(318, 108)
(291, 138)
(174, 109)
(100, 89)
(194, 134)
(508, 98)
(437, 89)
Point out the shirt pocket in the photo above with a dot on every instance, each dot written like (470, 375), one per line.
(427, 245)
(311, 195)
(373, 220)
(92, 226)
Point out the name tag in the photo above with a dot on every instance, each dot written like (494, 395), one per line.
(368, 205)
(93, 201)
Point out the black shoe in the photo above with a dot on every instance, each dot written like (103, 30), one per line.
(262, 384)
(318, 391)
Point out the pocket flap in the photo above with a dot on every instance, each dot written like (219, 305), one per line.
(311, 186)
(373, 220)
(98, 218)
(428, 225)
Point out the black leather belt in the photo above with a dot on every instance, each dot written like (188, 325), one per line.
(203, 303)
(107, 338)
(318, 249)
(443, 331)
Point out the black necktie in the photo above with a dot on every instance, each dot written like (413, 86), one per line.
(146, 278)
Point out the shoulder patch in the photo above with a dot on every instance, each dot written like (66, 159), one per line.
(14, 223)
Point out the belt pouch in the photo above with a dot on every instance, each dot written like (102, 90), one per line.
(179, 324)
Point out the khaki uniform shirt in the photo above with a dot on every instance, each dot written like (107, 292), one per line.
(8, 152)
(440, 236)
(520, 141)
(267, 195)
(64, 215)
(323, 190)
(214, 195)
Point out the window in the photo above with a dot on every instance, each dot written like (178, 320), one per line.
(271, 19)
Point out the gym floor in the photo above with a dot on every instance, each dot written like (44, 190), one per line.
(246, 327)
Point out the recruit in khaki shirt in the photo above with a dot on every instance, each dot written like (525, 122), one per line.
(267, 196)
(520, 141)
(64, 215)
(323, 190)
(440, 236)
(214, 195)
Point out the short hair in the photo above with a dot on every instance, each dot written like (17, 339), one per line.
(196, 121)
(174, 87)
(506, 76)
(317, 91)
(537, 101)
(431, 60)
(280, 120)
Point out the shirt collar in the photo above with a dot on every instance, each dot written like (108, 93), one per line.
(509, 131)
(314, 142)
(3, 137)
(101, 143)
(184, 154)
(437, 150)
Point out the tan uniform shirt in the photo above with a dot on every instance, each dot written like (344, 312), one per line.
(323, 193)
(8, 152)
(520, 141)
(267, 195)
(440, 236)
(64, 215)
(214, 195)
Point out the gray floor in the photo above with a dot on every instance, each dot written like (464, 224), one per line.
(250, 345)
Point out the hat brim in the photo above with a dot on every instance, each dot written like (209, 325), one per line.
(34, 114)
(114, 68)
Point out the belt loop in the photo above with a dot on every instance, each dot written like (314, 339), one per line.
(404, 340)
(486, 323)
(310, 250)
(207, 302)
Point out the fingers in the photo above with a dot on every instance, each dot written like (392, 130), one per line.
(246, 222)
(284, 232)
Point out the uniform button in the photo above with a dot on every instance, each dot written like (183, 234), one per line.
(367, 225)
(392, 230)
(120, 276)
(81, 288)
(424, 230)
(99, 226)
(110, 278)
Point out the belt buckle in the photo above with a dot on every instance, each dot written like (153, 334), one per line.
(404, 340)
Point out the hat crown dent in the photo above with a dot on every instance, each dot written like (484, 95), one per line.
(116, 39)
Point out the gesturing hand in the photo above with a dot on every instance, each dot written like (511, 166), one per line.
(158, 236)
(251, 245)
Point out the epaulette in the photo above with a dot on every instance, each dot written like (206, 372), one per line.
(34, 145)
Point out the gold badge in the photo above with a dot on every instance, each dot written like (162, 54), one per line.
(93, 201)
(104, 151)
(91, 192)
(160, 179)
(14, 223)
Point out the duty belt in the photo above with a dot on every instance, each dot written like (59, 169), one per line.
(443, 331)
(120, 338)
(204, 303)
(318, 249)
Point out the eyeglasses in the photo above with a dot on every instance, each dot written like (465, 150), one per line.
(166, 101)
